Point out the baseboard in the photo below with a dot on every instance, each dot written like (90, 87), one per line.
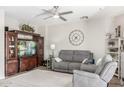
(2, 77)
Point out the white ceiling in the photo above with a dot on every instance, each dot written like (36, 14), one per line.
(28, 13)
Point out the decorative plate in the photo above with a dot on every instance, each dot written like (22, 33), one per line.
(76, 37)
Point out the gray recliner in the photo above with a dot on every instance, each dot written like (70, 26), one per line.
(97, 76)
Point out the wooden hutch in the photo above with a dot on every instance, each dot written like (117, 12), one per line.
(15, 64)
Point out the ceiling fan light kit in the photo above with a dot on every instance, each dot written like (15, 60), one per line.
(56, 16)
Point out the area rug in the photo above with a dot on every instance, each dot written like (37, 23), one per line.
(38, 78)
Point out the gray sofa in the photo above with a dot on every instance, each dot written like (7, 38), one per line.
(71, 60)
(95, 76)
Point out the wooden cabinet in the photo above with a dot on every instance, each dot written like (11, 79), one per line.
(23, 64)
(16, 63)
(12, 67)
(28, 63)
(40, 49)
(32, 62)
(11, 45)
(11, 53)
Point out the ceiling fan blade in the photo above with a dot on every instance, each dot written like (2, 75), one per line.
(62, 18)
(47, 17)
(41, 14)
(64, 13)
(48, 11)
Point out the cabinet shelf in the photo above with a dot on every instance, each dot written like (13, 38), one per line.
(112, 53)
(11, 46)
(112, 47)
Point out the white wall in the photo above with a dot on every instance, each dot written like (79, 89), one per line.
(119, 20)
(2, 62)
(59, 35)
(96, 32)
(40, 29)
(43, 31)
(12, 23)
(94, 36)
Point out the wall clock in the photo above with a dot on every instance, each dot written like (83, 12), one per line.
(76, 37)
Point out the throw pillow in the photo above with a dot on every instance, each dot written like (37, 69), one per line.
(85, 61)
(57, 59)
(99, 61)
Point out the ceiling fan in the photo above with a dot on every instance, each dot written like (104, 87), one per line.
(54, 13)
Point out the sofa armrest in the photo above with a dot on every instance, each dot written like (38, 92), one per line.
(88, 67)
(86, 79)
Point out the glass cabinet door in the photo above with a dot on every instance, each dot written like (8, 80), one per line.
(11, 42)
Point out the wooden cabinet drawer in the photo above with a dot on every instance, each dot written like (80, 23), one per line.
(32, 62)
(11, 68)
(28, 63)
(24, 65)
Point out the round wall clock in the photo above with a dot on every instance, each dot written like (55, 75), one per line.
(76, 37)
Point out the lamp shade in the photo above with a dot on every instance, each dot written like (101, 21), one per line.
(52, 46)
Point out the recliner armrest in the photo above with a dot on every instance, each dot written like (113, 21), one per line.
(86, 79)
(86, 74)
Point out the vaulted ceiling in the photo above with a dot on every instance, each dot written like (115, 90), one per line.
(28, 13)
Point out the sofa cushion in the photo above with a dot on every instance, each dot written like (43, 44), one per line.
(79, 56)
(66, 55)
(74, 66)
(61, 65)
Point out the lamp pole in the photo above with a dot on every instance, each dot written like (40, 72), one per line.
(52, 52)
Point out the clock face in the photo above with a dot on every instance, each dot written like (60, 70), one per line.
(76, 37)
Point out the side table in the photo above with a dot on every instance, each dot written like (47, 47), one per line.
(49, 62)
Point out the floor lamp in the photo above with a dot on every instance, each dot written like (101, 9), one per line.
(52, 47)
